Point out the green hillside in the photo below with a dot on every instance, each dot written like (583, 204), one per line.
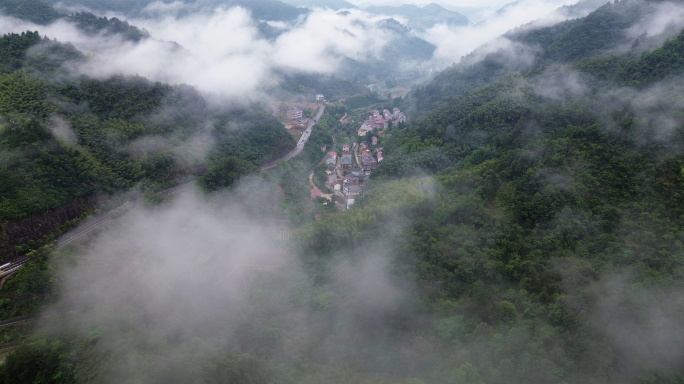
(595, 36)
(110, 123)
(527, 228)
(36, 11)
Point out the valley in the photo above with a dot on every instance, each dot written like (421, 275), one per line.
(326, 192)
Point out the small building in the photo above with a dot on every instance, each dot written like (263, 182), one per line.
(351, 179)
(295, 114)
(316, 193)
(380, 157)
(332, 178)
(374, 140)
(337, 186)
(320, 97)
(352, 190)
(345, 147)
(346, 161)
(356, 171)
(350, 202)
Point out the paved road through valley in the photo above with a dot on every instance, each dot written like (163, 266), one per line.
(300, 144)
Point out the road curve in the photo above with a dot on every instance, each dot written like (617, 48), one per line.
(300, 144)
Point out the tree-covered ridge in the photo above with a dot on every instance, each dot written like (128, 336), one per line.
(68, 137)
(262, 9)
(593, 38)
(641, 71)
(93, 25)
(600, 31)
(36, 11)
(444, 135)
(405, 44)
(42, 13)
(13, 49)
(39, 56)
(656, 65)
(540, 201)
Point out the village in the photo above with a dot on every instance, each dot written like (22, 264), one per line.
(349, 170)
(348, 166)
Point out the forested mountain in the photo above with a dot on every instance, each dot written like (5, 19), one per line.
(261, 9)
(420, 18)
(609, 31)
(93, 25)
(405, 45)
(548, 249)
(40, 12)
(64, 138)
(403, 49)
(526, 228)
(36, 11)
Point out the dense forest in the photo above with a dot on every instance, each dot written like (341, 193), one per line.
(42, 13)
(63, 138)
(605, 35)
(527, 228)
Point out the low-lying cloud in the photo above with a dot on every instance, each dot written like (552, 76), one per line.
(454, 42)
(164, 290)
(222, 52)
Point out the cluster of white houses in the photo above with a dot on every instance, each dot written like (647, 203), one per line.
(345, 177)
(381, 121)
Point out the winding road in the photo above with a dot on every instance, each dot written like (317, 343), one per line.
(300, 145)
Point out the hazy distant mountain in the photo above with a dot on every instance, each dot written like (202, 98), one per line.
(265, 9)
(406, 45)
(422, 18)
(503, 10)
(403, 48)
(332, 4)
(474, 14)
(261, 9)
